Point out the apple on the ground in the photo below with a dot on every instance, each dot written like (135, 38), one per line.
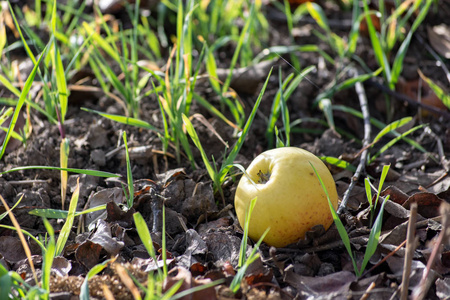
(290, 198)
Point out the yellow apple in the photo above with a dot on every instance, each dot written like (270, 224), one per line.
(290, 198)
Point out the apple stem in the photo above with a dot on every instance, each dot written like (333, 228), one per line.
(263, 177)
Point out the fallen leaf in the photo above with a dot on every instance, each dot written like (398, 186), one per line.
(103, 237)
(443, 288)
(439, 37)
(333, 286)
(11, 249)
(88, 254)
(428, 204)
(117, 215)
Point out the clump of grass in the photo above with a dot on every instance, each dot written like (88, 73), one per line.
(153, 290)
(219, 176)
(374, 233)
(244, 261)
(279, 105)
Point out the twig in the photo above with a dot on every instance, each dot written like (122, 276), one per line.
(368, 290)
(425, 283)
(410, 248)
(384, 259)
(367, 131)
(26, 248)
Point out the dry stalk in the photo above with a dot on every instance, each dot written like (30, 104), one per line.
(411, 241)
(366, 141)
(22, 239)
(421, 290)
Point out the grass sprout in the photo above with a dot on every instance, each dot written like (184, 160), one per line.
(130, 186)
(67, 227)
(219, 176)
(244, 261)
(286, 89)
(20, 103)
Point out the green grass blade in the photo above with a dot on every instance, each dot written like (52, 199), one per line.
(144, 234)
(6, 283)
(26, 233)
(354, 32)
(284, 113)
(113, 79)
(382, 179)
(193, 134)
(236, 283)
(25, 44)
(340, 227)
(130, 184)
(61, 84)
(338, 163)
(237, 147)
(240, 42)
(7, 84)
(393, 141)
(212, 109)
(368, 192)
(392, 126)
(3, 215)
(3, 38)
(380, 55)
(79, 171)
(102, 42)
(327, 108)
(318, 15)
(275, 111)
(20, 102)
(378, 124)
(14, 135)
(84, 290)
(49, 213)
(67, 227)
(64, 158)
(48, 257)
(360, 78)
(373, 238)
(399, 57)
(172, 291)
(243, 248)
(288, 88)
(445, 98)
(245, 262)
(124, 120)
(35, 106)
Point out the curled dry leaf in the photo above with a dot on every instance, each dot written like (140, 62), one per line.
(103, 237)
